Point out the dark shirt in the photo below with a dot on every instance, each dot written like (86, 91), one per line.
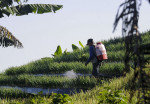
(92, 53)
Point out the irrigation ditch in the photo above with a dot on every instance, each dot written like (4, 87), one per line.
(101, 75)
(45, 91)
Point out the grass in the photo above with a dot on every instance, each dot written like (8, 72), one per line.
(54, 67)
(73, 60)
(116, 47)
(91, 96)
(12, 93)
(48, 81)
(82, 57)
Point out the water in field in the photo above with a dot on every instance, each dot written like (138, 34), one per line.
(45, 91)
(71, 74)
(67, 74)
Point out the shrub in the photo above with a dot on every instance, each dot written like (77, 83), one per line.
(60, 99)
(109, 96)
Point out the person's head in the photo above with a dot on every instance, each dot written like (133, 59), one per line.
(90, 42)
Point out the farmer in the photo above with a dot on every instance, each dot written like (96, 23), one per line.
(93, 58)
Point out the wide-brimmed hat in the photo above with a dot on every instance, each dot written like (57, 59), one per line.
(89, 40)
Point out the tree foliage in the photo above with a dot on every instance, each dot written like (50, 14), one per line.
(19, 8)
(7, 39)
(129, 13)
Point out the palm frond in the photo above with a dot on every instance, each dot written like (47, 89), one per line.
(30, 8)
(7, 39)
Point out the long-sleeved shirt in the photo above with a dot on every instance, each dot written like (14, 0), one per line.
(92, 54)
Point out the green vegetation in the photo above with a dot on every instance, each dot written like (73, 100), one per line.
(83, 56)
(60, 99)
(12, 93)
(48, 81)
(58, 51)
(112, 97)
(120, 88)
(19, 8)
(91, 96)
(42, 67)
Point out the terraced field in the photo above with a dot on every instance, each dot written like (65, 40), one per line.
(51, 73)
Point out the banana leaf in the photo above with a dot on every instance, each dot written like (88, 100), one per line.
(29, 8)
(58, 51)
(74, 47)
(7, 39)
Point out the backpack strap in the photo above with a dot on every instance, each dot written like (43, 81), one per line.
(95, 53)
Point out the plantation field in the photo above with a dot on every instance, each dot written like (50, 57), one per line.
(50, 70)
(48, 81)
(39, 67)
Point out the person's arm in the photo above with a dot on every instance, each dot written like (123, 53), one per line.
(91, 54)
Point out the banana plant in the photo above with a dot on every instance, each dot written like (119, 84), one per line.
(66, 52)
(81, 45)
(8, 7)
(74, 47)
(7, 39)
(58, 51)
(19, 8)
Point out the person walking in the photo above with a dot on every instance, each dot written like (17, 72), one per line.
(95, 62)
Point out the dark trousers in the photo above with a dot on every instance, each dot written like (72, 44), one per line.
(96, 66)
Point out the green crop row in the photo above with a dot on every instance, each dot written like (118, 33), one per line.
(48, 81)
(78, 55)
(115, 50)
(112, 68)
(90, 96)
(115, 47)
(145, 38)
(115, 40)
(83, 57)
(53, 68)
(12, 93)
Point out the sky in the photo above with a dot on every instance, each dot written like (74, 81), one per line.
(78, 20)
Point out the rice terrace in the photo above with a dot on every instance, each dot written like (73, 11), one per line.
(64, 77)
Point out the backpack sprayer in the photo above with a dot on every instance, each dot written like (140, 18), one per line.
(101, 51)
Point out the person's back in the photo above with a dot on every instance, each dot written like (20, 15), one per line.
(92, 52)
(93, 58)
